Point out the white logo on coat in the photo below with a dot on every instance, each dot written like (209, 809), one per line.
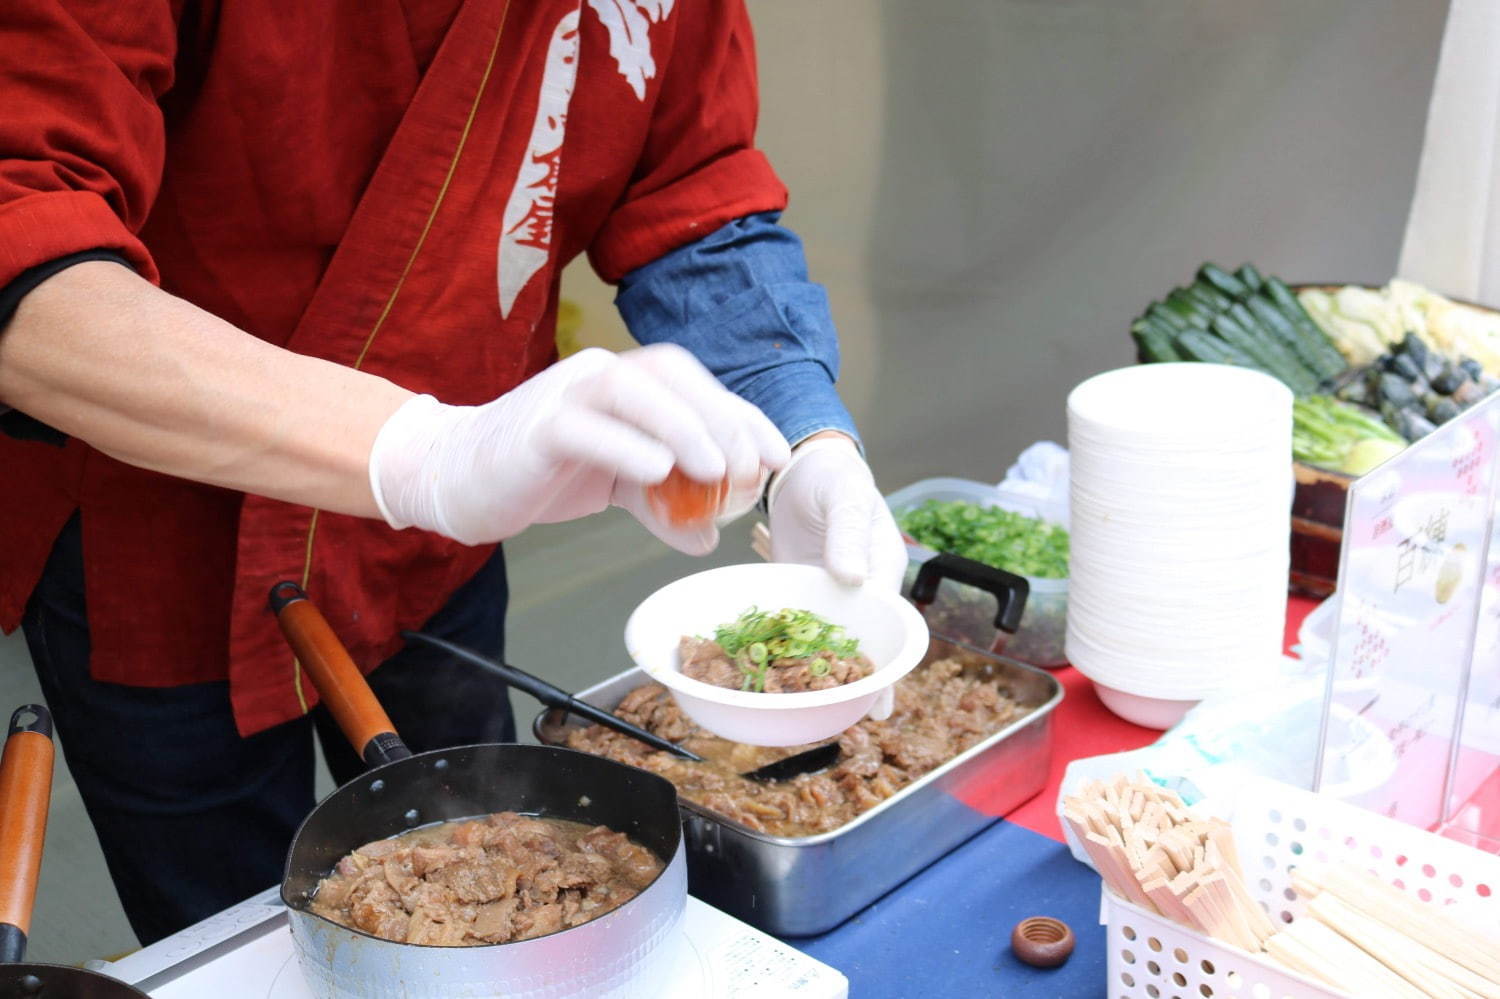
(526, 229)
(629, 23)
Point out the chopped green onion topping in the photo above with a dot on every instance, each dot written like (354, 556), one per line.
(758, 638)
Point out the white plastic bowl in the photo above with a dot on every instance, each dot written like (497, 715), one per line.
(1148, 712)
(890, 632)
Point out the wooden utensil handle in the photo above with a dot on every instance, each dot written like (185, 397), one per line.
(25, 793)
(339, 682)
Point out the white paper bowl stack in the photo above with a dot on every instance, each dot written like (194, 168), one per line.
(1180, 491)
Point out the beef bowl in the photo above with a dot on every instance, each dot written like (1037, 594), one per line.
(889, 631)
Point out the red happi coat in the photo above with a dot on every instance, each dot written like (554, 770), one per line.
(389, 184)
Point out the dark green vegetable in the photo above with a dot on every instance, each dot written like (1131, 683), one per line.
(992, 535)
(1153, 343)
(1244, 319)
(758, 638)
(1413, 347)
(1450, 379)
(1442, 410)
(1249, 277)
(1405, 366)
(1190, 309)
(1201, 346)
(1397, 391)
(1223, 280)
(1163, 316)
(1410, 424)
(1210, 297)
(1431, 365)
(1356, 391)
(1329, 361)
(1272, 356)
(1275, 322)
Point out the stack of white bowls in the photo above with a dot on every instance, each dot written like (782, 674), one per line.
(1180, 491)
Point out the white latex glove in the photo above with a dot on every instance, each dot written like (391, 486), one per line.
(824, 509)
(592, 430)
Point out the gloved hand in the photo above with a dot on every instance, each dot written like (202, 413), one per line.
(592, 430)
(824, 509)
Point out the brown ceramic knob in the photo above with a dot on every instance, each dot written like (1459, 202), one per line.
(1042, 942)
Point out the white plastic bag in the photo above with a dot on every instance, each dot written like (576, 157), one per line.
(1269, 729)
(1041, 471)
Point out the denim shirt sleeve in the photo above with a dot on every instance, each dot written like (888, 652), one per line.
(739, 299)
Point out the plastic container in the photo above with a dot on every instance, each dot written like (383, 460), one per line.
(890, 631)
(968, 614)
(1276, 826)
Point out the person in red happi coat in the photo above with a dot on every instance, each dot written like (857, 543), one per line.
(278, 287)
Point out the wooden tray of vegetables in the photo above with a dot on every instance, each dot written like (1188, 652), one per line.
(1372, 370)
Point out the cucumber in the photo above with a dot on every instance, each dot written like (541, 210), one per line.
(1198, 345)
(1269, 318)
(1210, 296)
(1193, 313)
(1270, 354)
(1153, 342)
(1284, 299)
(1250, 277)
(1304, 346)
(1163, 316)
(1223, 280)
(1242, 315)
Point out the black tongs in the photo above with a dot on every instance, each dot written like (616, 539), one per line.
(808, 761)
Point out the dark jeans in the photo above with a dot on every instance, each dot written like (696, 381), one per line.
(193, 818)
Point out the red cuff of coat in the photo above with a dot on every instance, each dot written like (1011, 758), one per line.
(51, 224)
(652, 225)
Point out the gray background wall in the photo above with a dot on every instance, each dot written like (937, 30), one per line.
(990, 190)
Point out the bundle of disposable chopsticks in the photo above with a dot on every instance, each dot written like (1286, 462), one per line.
(1363, 936)
(1149, 849)
(1357, 933)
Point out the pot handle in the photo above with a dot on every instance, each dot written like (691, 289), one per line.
(1008, 589)
(339, 682)
(25, 793)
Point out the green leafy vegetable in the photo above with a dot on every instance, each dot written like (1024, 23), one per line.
(758, 638)
(1001, 538)
(1340, 436)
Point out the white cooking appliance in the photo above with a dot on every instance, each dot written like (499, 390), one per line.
(246, 953)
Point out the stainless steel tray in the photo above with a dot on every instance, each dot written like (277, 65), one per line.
(799, 886)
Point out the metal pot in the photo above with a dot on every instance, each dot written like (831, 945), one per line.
(25, 792)
(621, 954)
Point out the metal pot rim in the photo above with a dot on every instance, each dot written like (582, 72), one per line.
(299, 906)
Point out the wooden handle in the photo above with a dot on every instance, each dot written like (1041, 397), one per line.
(25, 793)
(339, 682)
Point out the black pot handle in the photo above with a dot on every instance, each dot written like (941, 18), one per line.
(1009, 590)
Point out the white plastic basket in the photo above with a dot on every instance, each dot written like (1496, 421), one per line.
(1276, 827)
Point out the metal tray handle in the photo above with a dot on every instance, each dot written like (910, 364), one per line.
(1009, 590)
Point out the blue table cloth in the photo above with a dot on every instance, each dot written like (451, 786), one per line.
(946, 932)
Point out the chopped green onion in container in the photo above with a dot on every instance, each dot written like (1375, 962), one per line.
(995, 536)
(1020, 534)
